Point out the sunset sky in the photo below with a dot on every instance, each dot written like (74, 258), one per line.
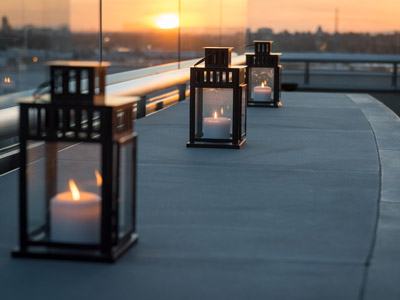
(306, 15)
(292, 15)
(136, 15)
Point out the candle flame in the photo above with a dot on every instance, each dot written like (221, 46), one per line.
(99, 179)
(215, 115)
(7, 79)
(74, 190)
(222, 111)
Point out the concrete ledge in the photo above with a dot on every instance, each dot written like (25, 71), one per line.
(384, 271)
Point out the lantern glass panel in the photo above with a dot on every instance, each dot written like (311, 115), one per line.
(56, 213)
(244, 105)
(126, 188)
(36, 187)
(214, 108)
(262, 84)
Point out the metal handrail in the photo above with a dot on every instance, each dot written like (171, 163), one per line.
(8, 100)
(308, 58)
(151, 84)
(340, 58)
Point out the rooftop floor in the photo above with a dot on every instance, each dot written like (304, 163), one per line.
(308, 209)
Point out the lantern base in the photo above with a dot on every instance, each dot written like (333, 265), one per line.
(75, 254)
(264, 104)
(215, 145)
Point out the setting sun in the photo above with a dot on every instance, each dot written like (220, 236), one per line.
(167, 21)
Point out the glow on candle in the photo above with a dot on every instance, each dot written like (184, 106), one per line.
(217, 127)
(75, 216)
(262, 93)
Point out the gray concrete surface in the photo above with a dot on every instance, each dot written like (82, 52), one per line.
(292, 215)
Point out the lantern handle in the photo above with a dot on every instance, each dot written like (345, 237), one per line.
(38, 91)
(204, 58)
(249, 45)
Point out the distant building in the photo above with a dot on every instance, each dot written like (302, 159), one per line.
(320, 43)
(265, 34)
(261, 34)
(319, 31)
(5, 25)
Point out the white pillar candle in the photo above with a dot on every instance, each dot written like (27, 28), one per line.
(217, 127)
(262, 93)
(75, 219)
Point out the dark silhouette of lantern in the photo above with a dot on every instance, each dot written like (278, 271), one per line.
(263, 76)
(217, 102)
(77, 169)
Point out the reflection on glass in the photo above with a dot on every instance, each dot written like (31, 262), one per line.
(136, 34)
(262, 84)
(217, 115)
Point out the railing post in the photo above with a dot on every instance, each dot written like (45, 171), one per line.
(182, 91)
(307, 73)
(394, 75)
(141, 107)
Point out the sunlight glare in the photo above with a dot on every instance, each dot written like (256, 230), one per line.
(167, 21)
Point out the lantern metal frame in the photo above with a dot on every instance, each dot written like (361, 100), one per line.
(217, 73)
(264, 58)
(109, 124)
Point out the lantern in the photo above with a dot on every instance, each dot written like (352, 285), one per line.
(77, 169)
(263, 76)
(218, 101)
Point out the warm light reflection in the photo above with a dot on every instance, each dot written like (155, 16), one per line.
(74, 190)
(35, 59)
(222, 111)
(167, 21)
(99, 179)
(7, 80)
(215, 115)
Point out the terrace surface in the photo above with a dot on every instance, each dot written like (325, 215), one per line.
(309, 208)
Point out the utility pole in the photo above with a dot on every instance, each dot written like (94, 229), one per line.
(335, 37)
(179, 34)
(336, 20)
(100, 32)
(220, 23)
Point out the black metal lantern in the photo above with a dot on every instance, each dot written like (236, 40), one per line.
(263, 76)
(77, 169)
(218, 102)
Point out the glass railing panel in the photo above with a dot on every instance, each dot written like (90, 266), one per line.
(34, 32)
(212, 23)
(234, 24)
(138, 34)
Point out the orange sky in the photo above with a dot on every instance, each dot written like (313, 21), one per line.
(136, 15)
(306, 15)
(292, 15)
(302, 15)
